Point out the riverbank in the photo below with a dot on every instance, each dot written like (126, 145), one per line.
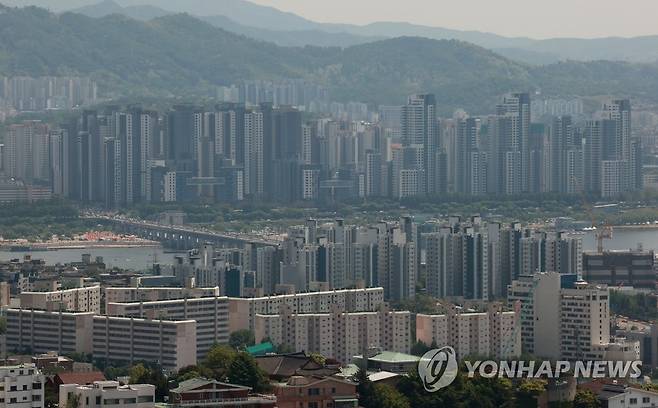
(638, 227)
(88, 240)
(76, 245)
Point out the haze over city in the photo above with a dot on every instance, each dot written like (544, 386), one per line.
(328, 204)
(515, 18)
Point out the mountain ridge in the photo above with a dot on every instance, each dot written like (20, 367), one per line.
(131, 58)
(287, 29)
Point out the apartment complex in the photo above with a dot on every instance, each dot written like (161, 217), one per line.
(85, 299)
(115, 339)
(22, 386)
(244, 310)
(490, 333)
(338, 335)
(108, 393)
(567, 321)
(141, 294)
(475, 259)
(40, 331)
(170, 343)
(211, 315)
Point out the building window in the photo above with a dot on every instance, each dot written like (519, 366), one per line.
(632, 401)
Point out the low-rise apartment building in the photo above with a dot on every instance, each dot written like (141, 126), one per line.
(108, 394)
(22, 386)
(321, 392)
(202, 392)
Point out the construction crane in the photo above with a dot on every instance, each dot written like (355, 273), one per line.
(602, 231)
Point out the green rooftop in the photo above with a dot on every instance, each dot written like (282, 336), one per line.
(261, 349)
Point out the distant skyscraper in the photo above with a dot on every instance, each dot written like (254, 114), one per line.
(26, 152)
(254, 155)
(504, 173)
(418, 127)
(516, 106)
(458, 262)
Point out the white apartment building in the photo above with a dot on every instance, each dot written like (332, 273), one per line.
(85, 299)
(211, 315)
(538, 299)
(142, 294)
(337, 335)
(244, 310)
(169, 343)
(108, 394)
(22, 386)
(490, 333)
(571, 323)
(584, 322)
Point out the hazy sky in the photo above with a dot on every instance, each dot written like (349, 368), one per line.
(532, 18)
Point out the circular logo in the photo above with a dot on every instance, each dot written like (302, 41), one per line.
(438, 368)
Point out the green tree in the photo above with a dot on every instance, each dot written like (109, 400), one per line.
(586, 399)
(318, 358)
(190, 372)
(386, 396)
(241, 339)
(245, 371)
(218, 360)
(528, 392)
(145, 374)
(139, 374)
(365, 389)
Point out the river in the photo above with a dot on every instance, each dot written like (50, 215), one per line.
(136, 259)
(625, 238)
(142, 258)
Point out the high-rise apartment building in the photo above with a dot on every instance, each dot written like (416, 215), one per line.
(565, 320)
(338, 335)
(210, 314)
(492, 332)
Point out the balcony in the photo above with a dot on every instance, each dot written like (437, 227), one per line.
(218, 402)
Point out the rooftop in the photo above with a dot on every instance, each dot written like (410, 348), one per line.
(392, 357)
